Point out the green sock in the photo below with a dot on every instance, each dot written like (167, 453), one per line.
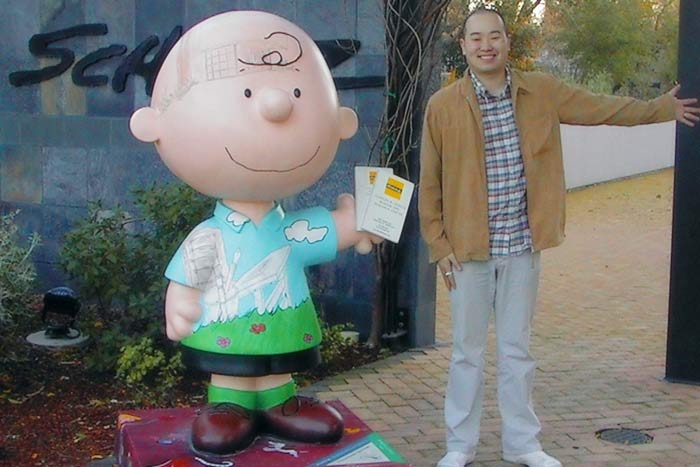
(246, 399)
(275, 396)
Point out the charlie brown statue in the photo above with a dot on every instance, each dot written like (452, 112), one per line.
(244, 110)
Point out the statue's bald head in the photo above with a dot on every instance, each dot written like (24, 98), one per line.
(227, 46)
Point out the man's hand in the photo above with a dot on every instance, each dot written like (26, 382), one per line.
(182, 310)
(686, 112)
(447, 266)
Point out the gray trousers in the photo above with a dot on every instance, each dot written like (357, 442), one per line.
(508, 286)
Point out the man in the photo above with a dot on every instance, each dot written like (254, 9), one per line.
(491, 198)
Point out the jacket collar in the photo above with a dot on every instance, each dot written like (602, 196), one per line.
(481, 90)
(466, 90)
(519, 82)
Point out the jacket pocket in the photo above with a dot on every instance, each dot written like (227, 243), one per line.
(456, 140)
(539, 135)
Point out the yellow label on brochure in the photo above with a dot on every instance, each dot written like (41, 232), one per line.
(394, 188)
(372, 176)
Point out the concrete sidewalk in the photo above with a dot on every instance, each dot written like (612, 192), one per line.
(599, 336)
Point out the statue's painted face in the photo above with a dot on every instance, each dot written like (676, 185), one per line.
(244, 109)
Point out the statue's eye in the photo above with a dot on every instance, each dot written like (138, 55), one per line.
(297, 92)
(248, 93)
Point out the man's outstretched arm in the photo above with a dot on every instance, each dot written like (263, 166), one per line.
(578, 106)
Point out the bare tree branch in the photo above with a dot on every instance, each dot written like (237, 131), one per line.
(411, 31)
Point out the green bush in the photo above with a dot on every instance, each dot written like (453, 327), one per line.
(96, 252)
(17, 273)
(148, 371)
(119, 260)
(334, 345)
(17, 276)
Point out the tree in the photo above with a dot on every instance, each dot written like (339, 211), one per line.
(412, 28)
(521, 21)
(631, 43)
(665, 63)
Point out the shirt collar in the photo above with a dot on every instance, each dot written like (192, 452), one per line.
(237, 221)
(481, 90)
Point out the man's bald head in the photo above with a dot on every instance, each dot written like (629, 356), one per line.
(484, 11)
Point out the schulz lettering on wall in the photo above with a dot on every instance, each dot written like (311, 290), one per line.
(41, 45)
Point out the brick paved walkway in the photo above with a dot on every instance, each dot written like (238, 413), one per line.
(599, 335)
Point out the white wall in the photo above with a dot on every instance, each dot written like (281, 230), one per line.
(600, 153)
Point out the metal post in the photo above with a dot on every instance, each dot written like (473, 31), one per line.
(683, 344)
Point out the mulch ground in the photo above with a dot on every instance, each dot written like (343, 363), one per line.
(54, 412)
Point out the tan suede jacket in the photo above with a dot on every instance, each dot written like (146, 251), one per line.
(452, 201)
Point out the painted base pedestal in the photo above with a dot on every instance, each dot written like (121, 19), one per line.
(161, 438)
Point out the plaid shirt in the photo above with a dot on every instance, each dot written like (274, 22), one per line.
(509, 230)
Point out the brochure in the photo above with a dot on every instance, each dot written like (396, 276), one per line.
(364, 182)
(387, 206)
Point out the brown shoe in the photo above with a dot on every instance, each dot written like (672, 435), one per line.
(303, 419)
(223, 429)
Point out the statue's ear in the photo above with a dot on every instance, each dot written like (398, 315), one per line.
(144, 124)
(348, 123)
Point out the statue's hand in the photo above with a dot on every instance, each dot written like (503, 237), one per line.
(366, 242)
(182, 310)
(345, 206)
(344, 217)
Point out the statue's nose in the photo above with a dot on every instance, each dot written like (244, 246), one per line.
(275, 105)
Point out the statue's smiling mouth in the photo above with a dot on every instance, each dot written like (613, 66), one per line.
(254, 169)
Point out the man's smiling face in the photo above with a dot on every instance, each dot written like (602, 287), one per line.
(485, 44)
(253, 117)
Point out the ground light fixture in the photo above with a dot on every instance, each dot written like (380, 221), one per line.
(58, 314)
